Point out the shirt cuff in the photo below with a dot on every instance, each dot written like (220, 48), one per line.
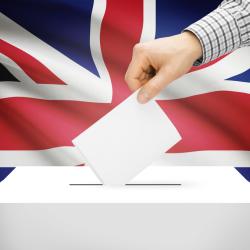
(220, 32)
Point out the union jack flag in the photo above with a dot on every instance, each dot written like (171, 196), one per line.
(62, 67)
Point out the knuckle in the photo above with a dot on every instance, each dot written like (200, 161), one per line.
(154, 89)
(170, 71)
(126, 77)
(139, 48)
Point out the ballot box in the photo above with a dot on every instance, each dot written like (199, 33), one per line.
(191, 208)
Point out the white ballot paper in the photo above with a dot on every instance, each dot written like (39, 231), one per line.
(126, 140)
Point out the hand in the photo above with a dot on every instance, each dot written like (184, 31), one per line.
(157, 63)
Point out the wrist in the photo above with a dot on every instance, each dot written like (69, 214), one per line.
(194, 47)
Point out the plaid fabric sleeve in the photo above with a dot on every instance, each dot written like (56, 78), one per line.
(223, 30)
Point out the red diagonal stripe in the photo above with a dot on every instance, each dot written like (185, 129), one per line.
(28, 124)
(30, 65)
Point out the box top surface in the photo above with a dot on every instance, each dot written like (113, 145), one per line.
(156, 184)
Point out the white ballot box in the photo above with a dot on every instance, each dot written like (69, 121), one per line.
(62, 208)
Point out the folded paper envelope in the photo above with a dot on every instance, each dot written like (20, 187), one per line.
(126, 140)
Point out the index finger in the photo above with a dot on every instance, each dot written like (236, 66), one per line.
(135, 71)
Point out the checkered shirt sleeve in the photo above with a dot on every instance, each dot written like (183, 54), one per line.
(225, 29)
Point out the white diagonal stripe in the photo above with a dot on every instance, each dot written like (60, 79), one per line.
(81, 85)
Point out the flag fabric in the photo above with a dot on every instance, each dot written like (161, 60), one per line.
(4, 172)
(245, 172)
(62, 66)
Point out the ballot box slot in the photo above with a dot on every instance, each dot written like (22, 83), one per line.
(129, 184)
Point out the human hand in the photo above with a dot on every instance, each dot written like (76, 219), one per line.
(157, 63)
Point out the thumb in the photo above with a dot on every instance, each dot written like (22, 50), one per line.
(155, 85)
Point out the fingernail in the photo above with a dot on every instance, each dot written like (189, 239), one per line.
(143, 97)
